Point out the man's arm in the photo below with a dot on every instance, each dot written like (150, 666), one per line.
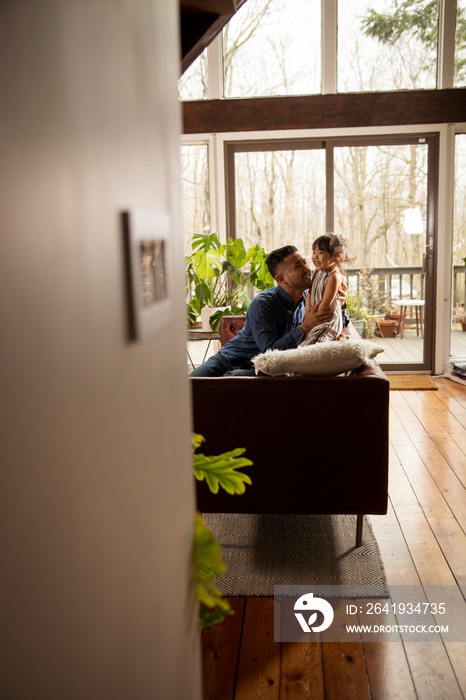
(265, 327)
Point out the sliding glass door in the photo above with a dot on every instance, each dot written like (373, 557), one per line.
(380, 193)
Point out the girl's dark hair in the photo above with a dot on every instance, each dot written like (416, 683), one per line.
(333, 243)
(276, 257)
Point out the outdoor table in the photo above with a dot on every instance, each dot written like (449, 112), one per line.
(418, 305)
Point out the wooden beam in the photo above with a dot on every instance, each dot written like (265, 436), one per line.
(326, 111)
(197, 31)
(218, 7)
(201, 21)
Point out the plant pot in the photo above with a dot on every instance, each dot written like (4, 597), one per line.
(387, 328)
(359, 324)
(206, 313)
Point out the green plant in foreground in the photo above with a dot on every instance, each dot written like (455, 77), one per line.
(208, 565)
(218, 471)
(221, 469)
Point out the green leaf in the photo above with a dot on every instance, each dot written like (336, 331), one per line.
(197, 440)
(193, 311)
(207, 559)
(208, 566)
(221, 471)
(236, 252)
(212, 616)
(208, 264)
(205, 241)
(214, 319)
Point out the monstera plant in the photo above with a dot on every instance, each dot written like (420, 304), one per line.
(220, 275)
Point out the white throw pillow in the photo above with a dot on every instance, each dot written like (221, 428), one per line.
(322, 359)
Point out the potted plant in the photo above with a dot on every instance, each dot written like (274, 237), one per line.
(387, 327)
(219, 276)
(357, 313)
(459, 316)
(374, 300)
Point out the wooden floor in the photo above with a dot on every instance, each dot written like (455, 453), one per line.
(422, 541)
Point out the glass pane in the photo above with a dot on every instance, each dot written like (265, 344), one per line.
(387, 45)
(380, 206)
(193, 83)
(460, 47)
(272, 47)
(458, 336)
(280, 198)
(195, 188)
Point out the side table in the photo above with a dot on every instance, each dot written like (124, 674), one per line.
(195, 334)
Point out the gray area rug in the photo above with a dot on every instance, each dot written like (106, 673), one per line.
(263, 551)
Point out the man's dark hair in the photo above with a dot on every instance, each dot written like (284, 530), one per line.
(276, 257)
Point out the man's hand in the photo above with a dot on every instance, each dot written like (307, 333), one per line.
(342, 292)
(313, 317)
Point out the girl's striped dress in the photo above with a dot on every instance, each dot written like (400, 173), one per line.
(330, 330)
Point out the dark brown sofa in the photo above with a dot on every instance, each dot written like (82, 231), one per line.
(318, 444)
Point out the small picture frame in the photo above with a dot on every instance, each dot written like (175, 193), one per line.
(146, 240)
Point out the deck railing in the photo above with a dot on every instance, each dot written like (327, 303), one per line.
(407, 282)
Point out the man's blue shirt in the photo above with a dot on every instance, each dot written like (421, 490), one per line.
(272, 323)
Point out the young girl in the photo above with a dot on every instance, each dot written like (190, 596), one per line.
(328, 254)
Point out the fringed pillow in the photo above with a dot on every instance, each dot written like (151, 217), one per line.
(322, 359)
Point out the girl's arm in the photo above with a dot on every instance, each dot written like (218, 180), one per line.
(308, 303)
(331, 290)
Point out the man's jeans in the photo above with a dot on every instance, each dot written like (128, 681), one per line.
(219, 366)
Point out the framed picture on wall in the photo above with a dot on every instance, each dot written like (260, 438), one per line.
(146, 239)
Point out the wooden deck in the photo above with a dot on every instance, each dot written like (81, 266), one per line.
(409, 349)
(422, 541)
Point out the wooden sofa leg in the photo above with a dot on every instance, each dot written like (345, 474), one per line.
(359, 525)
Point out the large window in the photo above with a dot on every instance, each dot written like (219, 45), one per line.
(195, 189)
(377, 188)
(460, 44)
(387, 45)
(272, 47)
(193, 83)
(280, 196)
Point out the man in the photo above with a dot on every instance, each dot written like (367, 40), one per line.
(275, 320)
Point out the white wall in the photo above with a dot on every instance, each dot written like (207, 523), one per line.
(97, 493)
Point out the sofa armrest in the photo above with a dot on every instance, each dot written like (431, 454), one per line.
(229, 327)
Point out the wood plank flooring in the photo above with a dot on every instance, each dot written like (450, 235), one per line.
(422, 540)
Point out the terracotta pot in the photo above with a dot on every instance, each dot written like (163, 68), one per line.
(387, 328)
